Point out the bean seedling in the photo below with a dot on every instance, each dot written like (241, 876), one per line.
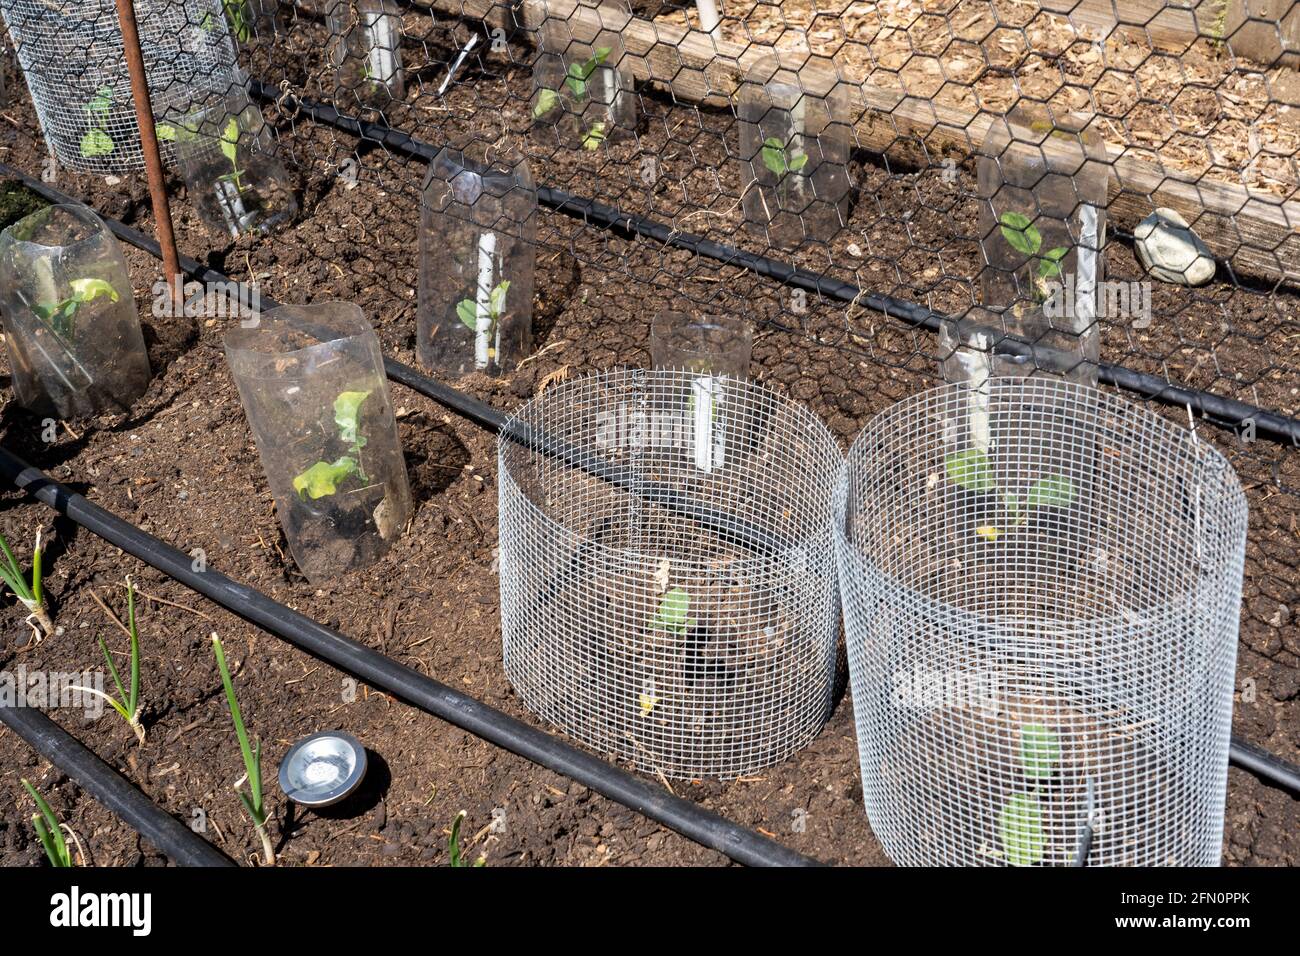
(454, 857)
(592, 139)
(467, 311)
(576, 79)
(48, 830)
(1020, 824)
(252, 800)
(323, 478)
(972, 471)
(97, 142)
(781, 160)
(30, 595)
(1025, 238)
(61, 316)
(230, 149)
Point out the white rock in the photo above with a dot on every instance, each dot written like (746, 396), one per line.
(1170, 251)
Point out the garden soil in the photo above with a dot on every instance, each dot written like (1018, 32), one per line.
(182, 466)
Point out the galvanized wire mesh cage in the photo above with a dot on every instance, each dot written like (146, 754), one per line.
(1042, 587)
(71, 55)
(676, 609)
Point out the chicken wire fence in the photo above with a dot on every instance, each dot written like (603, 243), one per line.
(668, 588)
(1041, 588)
(71, 55)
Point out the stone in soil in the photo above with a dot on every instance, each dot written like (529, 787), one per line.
(1169, 249)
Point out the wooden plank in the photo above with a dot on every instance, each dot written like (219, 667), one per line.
(1265, 31)
(1258, 233)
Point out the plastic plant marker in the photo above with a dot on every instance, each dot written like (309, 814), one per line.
(48, 830)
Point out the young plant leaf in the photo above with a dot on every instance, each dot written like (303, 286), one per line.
(165, 132)
(230, 141)
(971, 470)
(1040, 750)
(592, 139)
(1021, 233)
(101, 103)
(324, 478)
(601, 54)
(96, 143)
(671, 615)
(347, 415)
(989, 532)
(88, 290)
(48, 830)
(497, 300)
(577, 80)
(547, 99)
(773, 155)
(467, 312)
(1054, 491)
(1020, 828)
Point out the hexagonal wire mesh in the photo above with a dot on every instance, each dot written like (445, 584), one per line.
(683, 617)
(1041, 598)
(71, 56)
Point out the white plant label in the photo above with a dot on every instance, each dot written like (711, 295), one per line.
(710, 443)
(1085, 290)
(383, 47)
(487, 246)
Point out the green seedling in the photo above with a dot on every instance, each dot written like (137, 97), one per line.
(127, 703)
(972, 471)
(1020, 824)
(61, 315)
(97, 141)
(454, 857)
(1025, 238)
(324, 478)
(237, 15)
(580, 73)
(594, 137)
(467, 312)
(28, 593)
(252, 800)
(547, 100)
(672, 614)
(230, 149)
(48, 830)
(781, 160)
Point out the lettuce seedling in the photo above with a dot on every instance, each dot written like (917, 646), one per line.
(576, 78)
(48, 830)
(324, 478)
(230, 149)
(594, 137)
(972, 470)
(61, 315)
(671, 616)
(252, 800)
(29, 594)
(1020, 824)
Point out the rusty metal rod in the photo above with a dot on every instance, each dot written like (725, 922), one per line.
(162, 212)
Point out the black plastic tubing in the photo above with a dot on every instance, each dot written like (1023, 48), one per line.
(703, 826)
(110, 788)
(1221, 411)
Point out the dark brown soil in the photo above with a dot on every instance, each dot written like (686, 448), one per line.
(182, 466)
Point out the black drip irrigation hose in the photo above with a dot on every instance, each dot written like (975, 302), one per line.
(366, 664)
(1216, 409)
(110, 788)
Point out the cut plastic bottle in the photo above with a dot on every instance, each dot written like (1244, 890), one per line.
(72, 330)
(311, 379)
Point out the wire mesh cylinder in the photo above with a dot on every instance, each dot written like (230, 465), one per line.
(71, 56)
(1042, 628)
(680, 617)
